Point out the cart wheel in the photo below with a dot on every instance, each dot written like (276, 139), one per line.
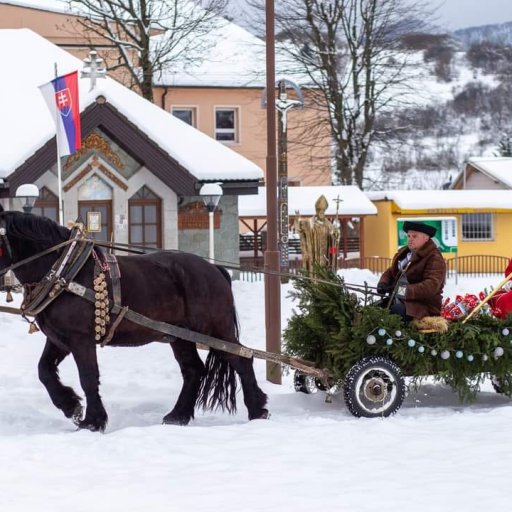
(374, 387)
(502, 385)
(304, 383)
(497, 384)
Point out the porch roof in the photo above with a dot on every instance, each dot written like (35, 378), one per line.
(445, 200)
(353, 201)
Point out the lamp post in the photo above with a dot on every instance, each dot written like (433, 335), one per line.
(211, 194)
(28, 194)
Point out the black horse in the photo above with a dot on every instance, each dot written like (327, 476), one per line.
(173, 287)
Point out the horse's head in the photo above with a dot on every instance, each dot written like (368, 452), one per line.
(23, 235)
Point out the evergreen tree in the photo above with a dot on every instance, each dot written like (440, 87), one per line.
(505, 145)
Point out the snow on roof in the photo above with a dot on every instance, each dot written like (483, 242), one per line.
(232, 57)
(353, 201)
(26, 123)
(499, 168)
(445, 199)
(43, 5)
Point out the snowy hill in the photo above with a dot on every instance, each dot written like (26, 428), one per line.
(457, 107)
(499, 33)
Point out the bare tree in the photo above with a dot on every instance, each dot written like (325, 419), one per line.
(352, 53)
(150, 35)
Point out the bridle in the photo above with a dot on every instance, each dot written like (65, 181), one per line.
(4, 241)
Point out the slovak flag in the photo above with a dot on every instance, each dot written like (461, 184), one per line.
(61, 96)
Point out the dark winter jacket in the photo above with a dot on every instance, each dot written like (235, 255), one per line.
(426, 273)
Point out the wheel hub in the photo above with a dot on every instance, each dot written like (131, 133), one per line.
(375, 390)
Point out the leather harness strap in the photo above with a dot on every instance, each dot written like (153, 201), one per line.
(63, 271)
(163, 327)
(108, 262)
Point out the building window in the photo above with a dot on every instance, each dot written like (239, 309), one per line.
(186, 114)
(226, 124)
(47, 205)
(477, 226)
(145, 219)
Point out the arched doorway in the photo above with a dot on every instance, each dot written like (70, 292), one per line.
(95, 199)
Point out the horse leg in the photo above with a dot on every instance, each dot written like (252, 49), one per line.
(254, 398)
(63, 397)
(192, 370)
(84, 353)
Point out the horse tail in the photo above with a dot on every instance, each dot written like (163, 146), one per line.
(218, 385)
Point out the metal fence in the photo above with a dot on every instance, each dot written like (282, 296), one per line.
(477, 265)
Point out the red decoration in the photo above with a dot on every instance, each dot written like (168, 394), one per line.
(463, 305)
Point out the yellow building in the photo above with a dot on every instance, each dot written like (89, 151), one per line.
(483, 222)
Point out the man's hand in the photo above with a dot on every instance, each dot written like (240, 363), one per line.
(383, 288)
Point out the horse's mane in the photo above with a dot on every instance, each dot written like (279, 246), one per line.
(34, 227)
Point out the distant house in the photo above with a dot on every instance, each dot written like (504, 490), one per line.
(483, 219)
(485, 173)
(221, 96)
(139, 166)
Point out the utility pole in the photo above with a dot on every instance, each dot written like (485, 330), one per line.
(271, 257)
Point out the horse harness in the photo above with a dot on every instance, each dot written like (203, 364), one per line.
(40, 295)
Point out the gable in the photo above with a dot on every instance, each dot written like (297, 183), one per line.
(103, 116)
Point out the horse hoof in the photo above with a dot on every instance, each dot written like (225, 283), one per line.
(265, 415)
(76, 415)
(175, 420)
(88, 425)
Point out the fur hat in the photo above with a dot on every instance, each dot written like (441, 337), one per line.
(419, 226)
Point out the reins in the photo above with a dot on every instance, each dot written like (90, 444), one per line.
(145, 250)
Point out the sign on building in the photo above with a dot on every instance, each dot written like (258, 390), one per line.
(446, 234)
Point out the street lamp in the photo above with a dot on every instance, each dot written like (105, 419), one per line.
(28, 194)
(211, 194)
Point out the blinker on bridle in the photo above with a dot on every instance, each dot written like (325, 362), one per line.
(4, 241)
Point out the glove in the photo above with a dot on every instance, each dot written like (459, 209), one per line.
(383, 288)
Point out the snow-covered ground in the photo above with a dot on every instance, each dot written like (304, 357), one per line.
(435, 455)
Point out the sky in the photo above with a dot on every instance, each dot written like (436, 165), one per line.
(452, 13)
(434, 455)
(467, 13)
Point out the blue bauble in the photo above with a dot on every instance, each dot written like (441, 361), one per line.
(470, 358)
(389, 341)
(458, 354)
(421, 350)
(381, 331)
(411, 343)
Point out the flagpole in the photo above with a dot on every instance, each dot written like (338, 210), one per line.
(59, 166)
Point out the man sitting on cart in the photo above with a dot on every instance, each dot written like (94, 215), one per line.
(416, 277)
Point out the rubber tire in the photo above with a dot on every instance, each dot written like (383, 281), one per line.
(385, 371)
(301, 385)
(496, 384)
